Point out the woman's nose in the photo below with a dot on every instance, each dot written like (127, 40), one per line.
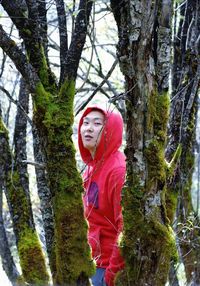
(90, 127)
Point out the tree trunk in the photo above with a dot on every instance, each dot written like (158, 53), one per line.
(30, 253)
(45, 197)
(65, 185)
(143, 51)
(185, 84)
(19, 141)
(6, 256)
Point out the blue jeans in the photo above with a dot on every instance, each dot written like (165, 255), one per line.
(98, 277)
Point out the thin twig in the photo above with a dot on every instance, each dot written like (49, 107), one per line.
(98, 87)
(123, 96)
(16, 102)
(92, 52)
(179, 6)
(36, 164)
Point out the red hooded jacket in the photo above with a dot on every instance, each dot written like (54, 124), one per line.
(103, 182)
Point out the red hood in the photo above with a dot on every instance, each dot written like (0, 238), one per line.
(111, 138)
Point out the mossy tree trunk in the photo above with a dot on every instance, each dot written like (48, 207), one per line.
(70, 259)
(6, 256)
(185, 84)
(144, 52)
(32, 260)
(44, 192)
(19, 160)
(39, 163)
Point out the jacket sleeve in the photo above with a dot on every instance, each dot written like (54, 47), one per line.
(116, 262)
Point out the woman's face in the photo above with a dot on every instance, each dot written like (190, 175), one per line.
(91, 130)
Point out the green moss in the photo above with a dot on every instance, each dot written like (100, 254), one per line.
(29, 250)
(67, 93)
(171, 203)
(58, 120)
(4, 148)
(161, 116)
(32, 260)
(15, 192)
(73, 256)
(145, 244)
(18, 199)
(151, 105)
(3, 129)
(41, 97)
(154, 154)
(31, 257)
(59, 110)
(26, 32)
(158, 112)
(148, 244)
(38, 59)
(67, 90)
(52, 115)
(55, 111)
(46, 88)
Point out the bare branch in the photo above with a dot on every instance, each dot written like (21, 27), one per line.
(92, 40)
(78, 40)
(19, 59)
(16, 11)
(36, 164)
(16, 102)
(62, 24)
(99, 86)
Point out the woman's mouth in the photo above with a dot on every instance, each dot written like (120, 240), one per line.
(88, 137)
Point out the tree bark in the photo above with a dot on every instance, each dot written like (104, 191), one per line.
(143, 51)
(30, 253)
(63, 35)
(6, 256)
(185, 84)
(19, 141)
(45, 196)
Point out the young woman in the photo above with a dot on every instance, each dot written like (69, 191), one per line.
(99, 138)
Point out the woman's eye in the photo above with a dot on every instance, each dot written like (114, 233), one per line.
(98, 123)
(85, 123)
